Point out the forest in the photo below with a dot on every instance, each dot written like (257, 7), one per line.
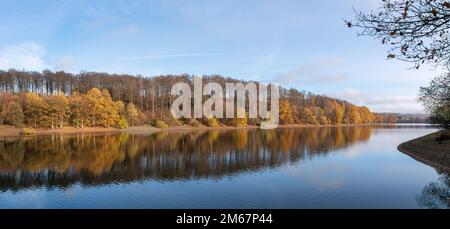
(91, 99)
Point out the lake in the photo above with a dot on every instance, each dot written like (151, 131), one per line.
(327, 167)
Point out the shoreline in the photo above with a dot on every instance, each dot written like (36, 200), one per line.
(7, 132)
(427, 151)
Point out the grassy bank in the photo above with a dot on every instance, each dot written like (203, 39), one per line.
(429, 151)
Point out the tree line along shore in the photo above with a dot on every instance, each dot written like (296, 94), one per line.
(53, 100)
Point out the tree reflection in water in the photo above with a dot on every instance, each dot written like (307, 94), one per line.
(436, 194)
(60, 161)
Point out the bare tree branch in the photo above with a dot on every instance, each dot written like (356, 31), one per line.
(416, 30)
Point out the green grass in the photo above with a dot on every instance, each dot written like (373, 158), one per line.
(428, 149)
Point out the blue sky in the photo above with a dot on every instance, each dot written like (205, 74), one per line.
(300, 44)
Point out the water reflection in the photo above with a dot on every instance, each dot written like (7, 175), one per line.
(61, 161)
(436, 194)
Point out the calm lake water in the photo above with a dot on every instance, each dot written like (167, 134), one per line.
(333, 167)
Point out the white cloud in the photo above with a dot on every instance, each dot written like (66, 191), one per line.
(323, 70)
(65, 63)
(350, 94)
(387, 102)
(354, 151)
(25, 55)
(324, 175)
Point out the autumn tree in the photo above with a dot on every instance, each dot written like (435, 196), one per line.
(285, 112)
(96, 106)
(308, 117)
(103, 110)
(329, 110)
(132, 114)
(12, 114)
(112, 116)
(323, 120)
(333, 111)
(338, 114)
(366, 115)
(34, 109)
(352, 115)
(321, 116)
(58, 110)
(79, 110)
(120, 107)
(123, 123)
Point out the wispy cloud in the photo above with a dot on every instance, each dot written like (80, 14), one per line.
(381, 103)
(323, 70)
(65, 63)
(25, 55)
(264, 64)
(176, 55)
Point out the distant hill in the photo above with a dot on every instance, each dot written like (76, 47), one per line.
(408, 118)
